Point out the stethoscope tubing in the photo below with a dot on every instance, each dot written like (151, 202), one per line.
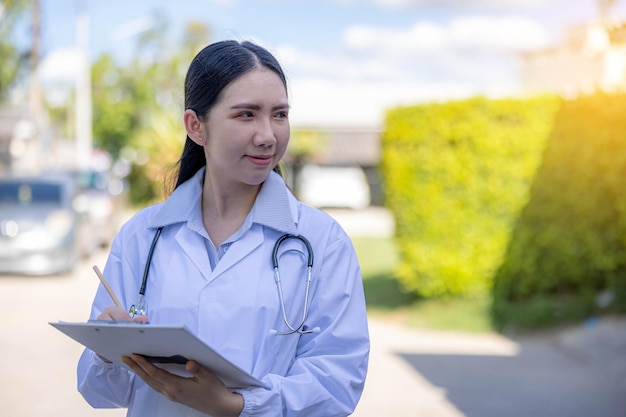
(286, 236)
(305, 310)
(140, 308)
(146, 270)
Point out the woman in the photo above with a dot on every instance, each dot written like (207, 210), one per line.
(212, 264)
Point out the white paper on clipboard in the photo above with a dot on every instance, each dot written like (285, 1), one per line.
(166, 346)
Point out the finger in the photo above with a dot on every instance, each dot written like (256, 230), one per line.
(114, 313)
(139, 366)
(140, 319)
(170, 385)
(192, 367)
(154, 372)
(202, 375)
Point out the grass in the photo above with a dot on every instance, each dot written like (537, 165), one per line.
(386, 299)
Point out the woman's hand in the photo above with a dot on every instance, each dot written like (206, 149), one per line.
(203, 391)
(118, 314)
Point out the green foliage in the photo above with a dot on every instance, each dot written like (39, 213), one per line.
(303, 144)
(137, 106)
(459, 314)
(118, 103)
(162, 140)
(9, 68)
(385, 298)
(567, 256)
(13, 60)
(457, 175)
(378, 258)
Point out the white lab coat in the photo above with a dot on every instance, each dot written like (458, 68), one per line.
(235, 307)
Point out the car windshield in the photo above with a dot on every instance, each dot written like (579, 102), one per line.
(29, 193)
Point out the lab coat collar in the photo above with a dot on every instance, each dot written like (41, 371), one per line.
(274, 207)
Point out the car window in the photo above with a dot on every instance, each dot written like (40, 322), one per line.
(24, 194)
(91, 180)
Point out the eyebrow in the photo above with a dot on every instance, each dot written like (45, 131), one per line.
(257, 107)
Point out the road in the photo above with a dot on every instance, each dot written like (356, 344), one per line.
(37, 362)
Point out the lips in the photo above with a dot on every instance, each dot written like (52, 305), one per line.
(262, 160)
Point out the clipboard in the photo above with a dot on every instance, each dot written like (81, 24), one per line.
(168, 347)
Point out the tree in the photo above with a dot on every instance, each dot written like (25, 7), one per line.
(137, 106)
(119, 105)
(12, 59)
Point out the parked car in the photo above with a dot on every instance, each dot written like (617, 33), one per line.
(40, 231)
(96, 200)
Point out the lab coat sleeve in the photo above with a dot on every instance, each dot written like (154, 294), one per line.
(105, 385)
(328, 374)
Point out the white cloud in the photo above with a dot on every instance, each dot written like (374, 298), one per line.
(423, 36)
(485, 33)
(61, 65)
(509, 33)
(58, 72)
(299, 63)
(317, 102)
(133, 27)
(376, 67)
(476, 49)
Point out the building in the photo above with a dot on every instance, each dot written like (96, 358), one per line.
(591, 57)
(335, 167)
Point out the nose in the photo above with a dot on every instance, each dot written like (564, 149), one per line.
(264, 135)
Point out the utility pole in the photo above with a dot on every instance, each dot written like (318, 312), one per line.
(34, 100)
(35, 91)
(83, 127)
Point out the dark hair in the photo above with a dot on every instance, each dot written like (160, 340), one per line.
(216, 66)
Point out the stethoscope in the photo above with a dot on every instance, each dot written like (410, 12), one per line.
(300, 328)
(141, 307)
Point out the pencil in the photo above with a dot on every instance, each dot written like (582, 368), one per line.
(106, 286)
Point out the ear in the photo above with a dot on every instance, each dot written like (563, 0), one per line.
(194, 127)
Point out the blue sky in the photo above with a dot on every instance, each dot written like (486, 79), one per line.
(346, 60)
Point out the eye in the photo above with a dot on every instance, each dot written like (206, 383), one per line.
(281, 115)
(245, 114)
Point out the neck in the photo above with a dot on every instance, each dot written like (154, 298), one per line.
(225, 201)
(224, 209)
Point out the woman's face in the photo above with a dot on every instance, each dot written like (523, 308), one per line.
(247, 131)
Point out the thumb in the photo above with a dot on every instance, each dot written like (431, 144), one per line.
(193, 368)
(198, 372)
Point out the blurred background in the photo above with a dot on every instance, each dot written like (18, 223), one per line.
(474, 150)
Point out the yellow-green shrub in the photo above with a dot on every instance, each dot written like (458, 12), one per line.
(456, 177)
(567, 256)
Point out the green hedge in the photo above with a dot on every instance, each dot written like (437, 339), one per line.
(456, 177)
(567, 256)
